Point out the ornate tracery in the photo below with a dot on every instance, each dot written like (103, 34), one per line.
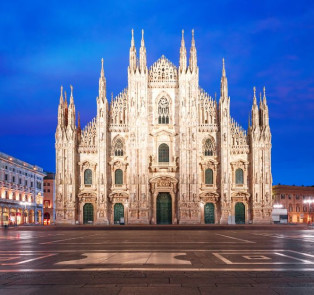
(163, 111)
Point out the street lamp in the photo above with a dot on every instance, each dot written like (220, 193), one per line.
(25, 204)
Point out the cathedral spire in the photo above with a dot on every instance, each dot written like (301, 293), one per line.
(223, 82)
(61, 96)
(143, 62)
(65, 102)
(182, 61)
(264, 96)
(255, 116)
(71, 97)
(193, 56)
(102, 82)
(132, 58)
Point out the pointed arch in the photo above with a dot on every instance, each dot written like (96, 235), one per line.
(118, 146)
(209, 148)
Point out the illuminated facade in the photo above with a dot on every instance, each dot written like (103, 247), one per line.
(163, 152)
(21, 192)
(298, 200)
(49, 198)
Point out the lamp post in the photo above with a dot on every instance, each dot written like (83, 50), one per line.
(25, 204)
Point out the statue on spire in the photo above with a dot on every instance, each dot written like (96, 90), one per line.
(102, 82)
(132, 58)
(143, 60)
(193, 56)
(183, 61)
(224, 82)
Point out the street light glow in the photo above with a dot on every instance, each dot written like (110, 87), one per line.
(277, 206)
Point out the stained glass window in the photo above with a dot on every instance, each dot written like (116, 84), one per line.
(88, 177)
(163, 153)
(118, 176)
(208, 176)
(239, 176)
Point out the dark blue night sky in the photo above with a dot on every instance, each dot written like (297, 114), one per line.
(48, 44)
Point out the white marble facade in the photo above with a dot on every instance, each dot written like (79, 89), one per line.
(163, 136)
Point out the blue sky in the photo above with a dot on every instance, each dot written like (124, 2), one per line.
(267, 43)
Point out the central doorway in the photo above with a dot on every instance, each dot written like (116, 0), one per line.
(118, 213)
(239, 213)
(164, 208)
(88, 213)
(209, 213)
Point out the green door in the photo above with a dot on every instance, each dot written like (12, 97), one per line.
(118, 212)
(209, 213)
(88, 213)
(164, 209)
(239, 213)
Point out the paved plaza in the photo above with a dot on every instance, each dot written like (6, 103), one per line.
(172, 261)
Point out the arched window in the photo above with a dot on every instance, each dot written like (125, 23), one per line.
(118, 176)
(208, 147)
(118, 148)
(305, 208)
(88, 177)
(290, 208)
(163, 111)
(163, 153)
(208, 176)
(239, 176)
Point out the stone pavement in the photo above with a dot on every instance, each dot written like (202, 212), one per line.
(157, 262)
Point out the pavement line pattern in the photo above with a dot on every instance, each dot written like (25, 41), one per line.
(281, 269)
(56, 241)
(246, 241)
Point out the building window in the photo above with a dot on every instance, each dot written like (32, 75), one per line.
(88, 177)
(48, 183)
(20, 181)
(163, 111)
(239, 176)
(46, 204)
(118, 148)
(38, 184)
(297, 209)
(13, 178)
(208, 176)
(25, 183)
(208, 147)
(297, 197)
(282, 197)
(32, 184)
(48, 190)
(289, 197)
(118, 177)
(304, 208)
(6, 177)
(290, 208)
(163, 153)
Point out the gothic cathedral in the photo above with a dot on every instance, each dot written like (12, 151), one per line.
(163, 152)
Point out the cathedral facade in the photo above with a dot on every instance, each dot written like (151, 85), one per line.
(163, 152)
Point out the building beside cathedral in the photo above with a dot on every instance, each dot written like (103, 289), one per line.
(163, 152)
